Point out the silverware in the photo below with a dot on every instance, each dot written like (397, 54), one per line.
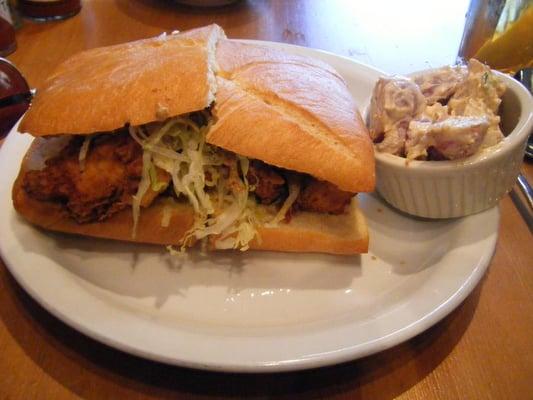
(525, 77)
(526, 189)
(521, 205)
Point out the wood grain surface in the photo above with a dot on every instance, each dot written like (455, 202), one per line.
(483, 350)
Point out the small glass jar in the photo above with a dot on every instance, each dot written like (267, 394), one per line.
(8, 43)
(15, 96)
(46, 10)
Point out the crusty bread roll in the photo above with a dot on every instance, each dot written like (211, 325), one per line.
(318, 233)
(318, 129)
(288, 111)
(102, 89)
(306, 232)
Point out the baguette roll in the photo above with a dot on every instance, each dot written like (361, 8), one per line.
(218, 106)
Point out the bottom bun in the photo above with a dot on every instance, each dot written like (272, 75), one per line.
(317, 233)
(306, 232)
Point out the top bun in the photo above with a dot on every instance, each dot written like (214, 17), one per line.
(289, 111)
(292, 112)
(105, 88)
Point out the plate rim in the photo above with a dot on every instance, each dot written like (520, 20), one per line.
(353, 352)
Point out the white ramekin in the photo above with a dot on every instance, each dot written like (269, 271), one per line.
(447, 189)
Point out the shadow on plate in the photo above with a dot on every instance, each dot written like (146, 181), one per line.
(421, 242)
(92, 370)
(150, 271)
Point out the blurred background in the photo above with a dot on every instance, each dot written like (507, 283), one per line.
(396, 37)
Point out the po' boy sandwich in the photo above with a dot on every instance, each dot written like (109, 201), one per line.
(191, 137)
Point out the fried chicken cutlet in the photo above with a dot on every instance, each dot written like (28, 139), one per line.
(103, 184)
(97, 188)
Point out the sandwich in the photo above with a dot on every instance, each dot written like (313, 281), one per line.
(191, 138)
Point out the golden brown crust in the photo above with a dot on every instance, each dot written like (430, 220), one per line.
(138, 82)
(307, 232)
(52, 216)
(262, 94)
(303, 104)
(318, 129)
(318, 233)
(235, 56)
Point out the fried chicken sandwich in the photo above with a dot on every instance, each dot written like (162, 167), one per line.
(190, 137)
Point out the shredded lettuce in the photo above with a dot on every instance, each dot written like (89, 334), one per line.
(213, 180)
(167, 214)
(144, 185)
(83, 151)
(294, 191)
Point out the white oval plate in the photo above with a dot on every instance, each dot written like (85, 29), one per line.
(254, 311)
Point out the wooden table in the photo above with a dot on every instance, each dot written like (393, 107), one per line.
(482, 350)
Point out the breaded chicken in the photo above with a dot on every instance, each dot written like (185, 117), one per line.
(269, 184)
(323, 197)
(318, 196)
(102, 186)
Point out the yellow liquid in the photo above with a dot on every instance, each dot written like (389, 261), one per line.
(512, 49)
